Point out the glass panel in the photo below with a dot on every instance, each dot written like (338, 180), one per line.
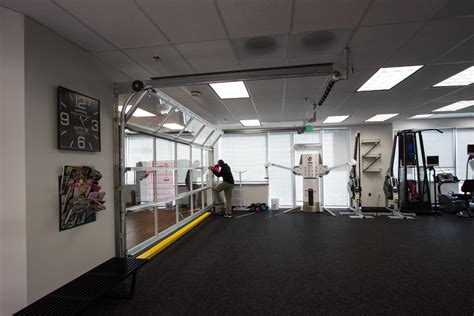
(336, 152)
(212, 139)
(165, 177)
(191, 130)
(140, 227)
(197, 161)
(184, 208)
(141, 190)
(280, 181)
(138, 151)
(245, 153)
(203, 135)
(174, 123)
(166, 216)
(150, 113)
(182, 165)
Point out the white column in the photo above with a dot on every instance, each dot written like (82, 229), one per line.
(13, 281)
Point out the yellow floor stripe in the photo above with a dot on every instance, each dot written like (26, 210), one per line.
(162, 245)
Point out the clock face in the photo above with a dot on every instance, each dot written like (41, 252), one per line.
(78, 121)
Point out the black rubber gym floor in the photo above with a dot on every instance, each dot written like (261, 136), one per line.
(310, 263)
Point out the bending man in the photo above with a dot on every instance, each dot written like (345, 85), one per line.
(226, 185)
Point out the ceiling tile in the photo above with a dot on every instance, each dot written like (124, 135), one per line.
(430, 75)
(122, 62)
(260, 48)
(242, 108)
(170, 62)
(125, 25)
(266, 88)
(464, 52)
(432, 41)
(262, 63)
(327, 44)
(327, 14)
(295, 109)
(209, 56)
(455, 8)
(398, 11)
(55, 18)
(305, 87)
(185, 20)
(371, 47)
(252, 18)
(269, 108)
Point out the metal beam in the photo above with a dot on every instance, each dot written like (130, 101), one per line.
(247, 74)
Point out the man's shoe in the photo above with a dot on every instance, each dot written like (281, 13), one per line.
(228, 216)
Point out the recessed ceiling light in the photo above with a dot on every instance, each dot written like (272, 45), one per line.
(386, 78)
(230, 90)
(381, 117)
(248, 123)
(335, 119)
(173, 126)
(464, 78)
(138, 112)
(421, 116)
(455, 106)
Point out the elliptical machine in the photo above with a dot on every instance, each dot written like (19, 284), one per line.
(354, 185)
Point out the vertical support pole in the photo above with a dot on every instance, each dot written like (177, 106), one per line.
(155, 187)
(191, 178)
(117, 176)
(202, 177)
(293, 177)
(176, 186)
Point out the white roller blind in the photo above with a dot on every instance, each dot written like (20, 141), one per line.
(465, 136)
(336, 152)
(245, 153)
(442, 145)
(280, 181)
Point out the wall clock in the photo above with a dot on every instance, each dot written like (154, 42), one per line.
(78, 121)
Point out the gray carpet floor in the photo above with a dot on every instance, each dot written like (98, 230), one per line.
(309, 264)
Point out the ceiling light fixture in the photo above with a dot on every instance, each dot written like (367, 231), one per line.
(463, 78)
(230, 90)
(455, 106)
(381, 117)
(387, 78)
(421, 116)
(138, 112)
(250, 123)
(335, 119)
(173, 126)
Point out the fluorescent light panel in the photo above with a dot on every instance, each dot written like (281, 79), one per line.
(464, 78)
(249, 123)
(455, 106)
(173, 126)
(381, 117)
(421, 116)
(230, 90)
(335, 119)
(138, 112)
(386, 78)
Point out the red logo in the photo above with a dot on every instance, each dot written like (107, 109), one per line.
(310, 158)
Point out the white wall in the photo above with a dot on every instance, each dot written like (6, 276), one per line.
(12, 164)
(372, 183)
(434, 123)
(55, 257)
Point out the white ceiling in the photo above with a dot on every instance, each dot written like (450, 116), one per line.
(195, 36)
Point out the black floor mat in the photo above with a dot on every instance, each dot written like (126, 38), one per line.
(305, 263)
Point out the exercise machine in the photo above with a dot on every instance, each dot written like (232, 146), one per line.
(456, 203)
(409, 188)
(354, 185)
(311, 168)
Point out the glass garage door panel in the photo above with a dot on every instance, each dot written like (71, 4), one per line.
(140, 226)
(336, 152)
(280, 181)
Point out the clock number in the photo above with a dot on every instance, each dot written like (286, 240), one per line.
(81, 142)
(80, 104)
(64, 116)
(95, 125)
